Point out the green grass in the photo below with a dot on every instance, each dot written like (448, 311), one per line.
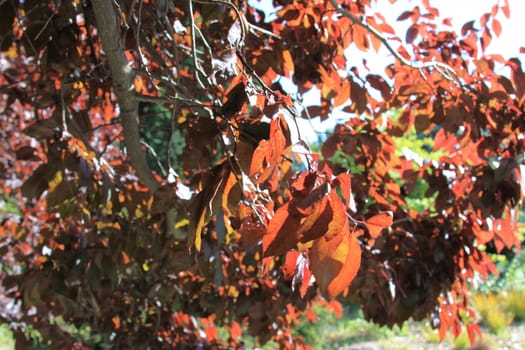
(515, 304)
(329, 332)
(6, 338)
(491, 308)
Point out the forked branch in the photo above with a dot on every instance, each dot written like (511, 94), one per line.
(122, 76)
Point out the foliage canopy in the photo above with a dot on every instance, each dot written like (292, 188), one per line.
(164, 189)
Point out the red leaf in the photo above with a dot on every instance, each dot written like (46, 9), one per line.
(251, 231)
(345, 185)
(336, 307)
(27, 153)
(342, 93)
(212, 333)
(307, 216)
(305, 283)
(277, 238)
(340, 61)
(404, 15)
(483, 236)
(467, 27)
(484, 19)
(378, 222)
(290, 264)
(506, 11)
(267, 156)
(317, 222)
(311, 316)
(506, 232)
(360, 36)
(235, 330)
(338, 220)
(116, 322)
(447, 22)
(473, 330)
(496, 27)
(379, 83)
(412, 33)
(311, 111)
(443, 327)
(486, 38)
(335, 261)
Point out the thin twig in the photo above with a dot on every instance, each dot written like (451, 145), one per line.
(204, 41)
(154, 154)
(186, 102)
(198, 68)
(254, 28)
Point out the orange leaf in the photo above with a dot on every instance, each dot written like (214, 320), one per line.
(304, 218)
(336, 307)
(251, 231)
(305, 283)
(443, 327)
(483, 236)
(290, 264)
(288, 65)
(279, 236)
(473, 330)
(317, 222)
(311, 316)
(345, 184)
(506, 11)
(335, 261)
(496, 27)
(212, 333)
(378, 222)
(235, 330)
(116, 322)
(267, 156)
(360, 36)
(259, 159)
(342, 94)
(339, 220)
(206, 205)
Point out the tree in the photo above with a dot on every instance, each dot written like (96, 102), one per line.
(164, 189)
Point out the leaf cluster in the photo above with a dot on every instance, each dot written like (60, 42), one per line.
(164, 190)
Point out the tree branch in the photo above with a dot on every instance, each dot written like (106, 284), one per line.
(444, 69)
(122, 75)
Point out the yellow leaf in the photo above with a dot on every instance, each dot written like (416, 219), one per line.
(102, 225)
(182, 223)
(335, 261)
(12, 52)
(233, 292)
(55, 181)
